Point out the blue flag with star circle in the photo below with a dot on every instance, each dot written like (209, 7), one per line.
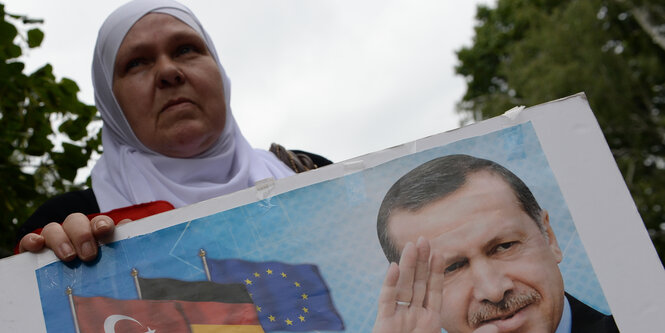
(287, 297)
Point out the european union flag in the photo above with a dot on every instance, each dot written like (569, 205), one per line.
(287, 297)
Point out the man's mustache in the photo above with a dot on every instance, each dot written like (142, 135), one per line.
(511, 303)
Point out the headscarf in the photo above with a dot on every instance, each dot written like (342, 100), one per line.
(128, 172)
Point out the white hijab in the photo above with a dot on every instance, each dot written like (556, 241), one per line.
(128, 173)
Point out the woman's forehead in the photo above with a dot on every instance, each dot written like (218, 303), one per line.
(151, 29)
(133, 17)
(154, 24)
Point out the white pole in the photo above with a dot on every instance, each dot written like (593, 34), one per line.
(69, 292)
(202, 254)
(135, 275)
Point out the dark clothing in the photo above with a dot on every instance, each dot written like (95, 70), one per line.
(588, 320)
(59, 207)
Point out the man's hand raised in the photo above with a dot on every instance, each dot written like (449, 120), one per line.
(411, 295)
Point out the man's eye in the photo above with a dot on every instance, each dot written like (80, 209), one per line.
(455, 266)
(504, 246)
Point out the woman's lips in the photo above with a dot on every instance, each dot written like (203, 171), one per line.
(176, 102)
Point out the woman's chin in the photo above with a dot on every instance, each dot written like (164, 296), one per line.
(184, 147)
(185, 142)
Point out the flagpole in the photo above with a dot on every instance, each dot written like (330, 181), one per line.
(69, 291)
(202, 254)
(135, 275)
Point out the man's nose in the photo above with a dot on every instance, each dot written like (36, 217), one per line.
(490, 283)
(168, 73)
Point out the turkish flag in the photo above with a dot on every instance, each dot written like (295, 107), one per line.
(108, 315)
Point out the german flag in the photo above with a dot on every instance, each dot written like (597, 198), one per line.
(206, 306)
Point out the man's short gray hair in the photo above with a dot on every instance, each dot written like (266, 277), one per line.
(437, 179)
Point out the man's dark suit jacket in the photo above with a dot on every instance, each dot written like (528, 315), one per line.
(588, 320)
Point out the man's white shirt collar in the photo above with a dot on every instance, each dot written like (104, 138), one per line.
(566, 322)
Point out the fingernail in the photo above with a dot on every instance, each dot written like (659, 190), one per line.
(103, 224)
(66, 251)
(87, 249)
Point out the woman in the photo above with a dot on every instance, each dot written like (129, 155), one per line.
(168, 136)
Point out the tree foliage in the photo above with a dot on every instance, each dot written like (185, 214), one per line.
(44, 138)
(527, 52)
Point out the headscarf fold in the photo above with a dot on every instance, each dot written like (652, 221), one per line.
(129, 173)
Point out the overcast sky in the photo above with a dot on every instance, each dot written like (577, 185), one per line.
(337, 78)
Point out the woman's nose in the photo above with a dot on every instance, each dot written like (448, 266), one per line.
(168, 74)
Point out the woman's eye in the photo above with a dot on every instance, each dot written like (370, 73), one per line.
(132, 64)
(184, 49)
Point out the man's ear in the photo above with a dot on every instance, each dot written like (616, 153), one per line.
(551, 238)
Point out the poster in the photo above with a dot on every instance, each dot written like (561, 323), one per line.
(306, 249)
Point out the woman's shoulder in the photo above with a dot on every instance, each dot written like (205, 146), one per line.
(56, 209)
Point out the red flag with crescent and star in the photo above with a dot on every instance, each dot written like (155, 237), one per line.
(108, 315)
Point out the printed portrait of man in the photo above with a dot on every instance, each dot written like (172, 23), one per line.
(499, 255)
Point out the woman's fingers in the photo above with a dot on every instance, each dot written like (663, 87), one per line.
(407, 269)
(57, 240)
(124, 221)
(79, 229)
(388, 292)
(103, 226)
(31, 242)
(76, 236)
(421, 272)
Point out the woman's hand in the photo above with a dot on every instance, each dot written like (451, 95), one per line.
(76, 237)
(411, 295)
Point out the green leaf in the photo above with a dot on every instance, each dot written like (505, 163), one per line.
(7, 33)
(39, 144)
(13, 51)
(69, 87)
(74, 128)
(35, 37)
(44, 72)
(69, 161)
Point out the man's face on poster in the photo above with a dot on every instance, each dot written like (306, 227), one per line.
(500, 267)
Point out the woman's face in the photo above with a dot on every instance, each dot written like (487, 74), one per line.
(169, 87)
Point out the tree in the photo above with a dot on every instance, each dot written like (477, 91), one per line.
(44, 137)
(527, 52)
